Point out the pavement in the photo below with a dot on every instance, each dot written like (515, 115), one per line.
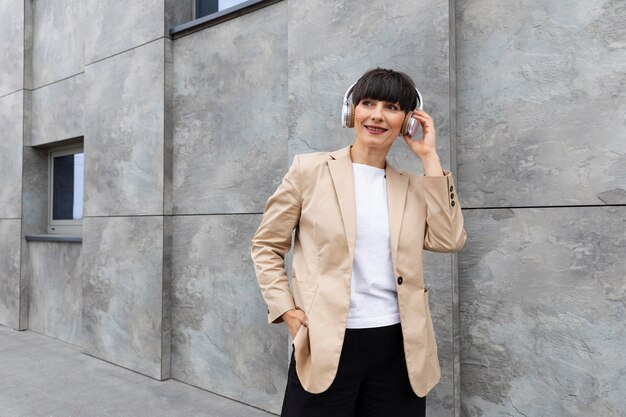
(44, 377)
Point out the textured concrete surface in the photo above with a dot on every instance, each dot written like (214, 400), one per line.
(44, 377)
(443, 302)
(116, 26)
(124, 133)
(11, 119)
(10, 272)
(123, 283)
(221, 340)
(58, 111)
(230, 114)
(55, 290)
(330, 44)
(177, 12)
(12, 295)
(35, 191)
(543, 301)
(12, 39)
(541, 102)
(58, 39)
(34, 217)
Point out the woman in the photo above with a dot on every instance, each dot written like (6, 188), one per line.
(357, 308)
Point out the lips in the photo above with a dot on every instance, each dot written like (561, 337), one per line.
(375, 130)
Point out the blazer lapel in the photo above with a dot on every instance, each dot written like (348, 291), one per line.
(343, 179)
(397, 187)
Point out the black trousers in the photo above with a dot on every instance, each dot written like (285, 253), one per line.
(372, 381)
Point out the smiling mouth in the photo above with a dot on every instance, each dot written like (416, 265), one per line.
(375, 129)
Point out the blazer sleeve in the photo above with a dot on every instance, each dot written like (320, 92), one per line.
(444, 219)
(272, 241)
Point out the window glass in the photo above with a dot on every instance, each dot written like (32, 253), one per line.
(67, 187)
(207, 7)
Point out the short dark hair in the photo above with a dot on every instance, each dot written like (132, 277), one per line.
(386, 85)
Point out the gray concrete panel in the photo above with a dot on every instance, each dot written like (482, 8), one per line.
(168, 128)
(221, 340)
(123, 291)
(230, 114)
(176, 13)
(58, 39)
(55, 290)
(443, 302)
(116, 26)
(541, 102)
(11, 137)
(10, 291)
(332, 43)
(34, 217)
(12, 41)
(57, 111)
(124, 133)
(543, 301)
(35, 191)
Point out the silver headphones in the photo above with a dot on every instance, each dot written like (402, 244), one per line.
(409, 126)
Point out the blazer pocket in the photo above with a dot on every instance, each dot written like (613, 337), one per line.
(304, 294)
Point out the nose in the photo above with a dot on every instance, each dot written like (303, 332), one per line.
(377, 112)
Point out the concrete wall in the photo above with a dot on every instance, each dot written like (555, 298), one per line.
(542, 307)
(185, 139)
(541, 102)
(14, 111)
(125, 279)
(55, 290)
(230, 152)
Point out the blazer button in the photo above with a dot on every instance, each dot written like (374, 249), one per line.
(452, 204)
(400, 280)
(452, 195)
(451, 188)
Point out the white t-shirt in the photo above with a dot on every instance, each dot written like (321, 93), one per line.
(373, 292)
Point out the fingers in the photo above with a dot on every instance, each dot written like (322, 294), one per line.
(294, 319)
(424, 118)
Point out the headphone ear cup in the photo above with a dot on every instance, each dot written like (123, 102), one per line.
(406, 125)
(351, 122)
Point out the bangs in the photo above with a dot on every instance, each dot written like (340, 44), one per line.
(386, 85)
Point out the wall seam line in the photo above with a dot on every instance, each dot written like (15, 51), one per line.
(544, 207)
(124, 51)
(58, 81)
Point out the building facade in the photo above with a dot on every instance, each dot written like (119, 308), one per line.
(187, 126)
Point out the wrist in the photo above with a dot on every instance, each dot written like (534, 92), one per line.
(432, 165)
(429, 157)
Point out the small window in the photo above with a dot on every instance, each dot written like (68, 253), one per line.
(65, 211)
(207, 7)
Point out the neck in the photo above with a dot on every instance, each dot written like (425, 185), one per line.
(368, 156)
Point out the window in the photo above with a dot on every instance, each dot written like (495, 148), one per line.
(65, 206)
(208, 13)
(207, 7)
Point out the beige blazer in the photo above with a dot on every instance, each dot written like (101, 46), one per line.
(316, 199)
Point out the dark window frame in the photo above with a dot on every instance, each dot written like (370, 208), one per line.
(219, 17)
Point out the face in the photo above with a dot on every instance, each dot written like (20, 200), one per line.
(377, 123)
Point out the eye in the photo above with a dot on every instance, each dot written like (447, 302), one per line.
(392, 106)
(366, 102)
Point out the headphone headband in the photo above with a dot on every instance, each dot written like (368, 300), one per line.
(420, 101)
